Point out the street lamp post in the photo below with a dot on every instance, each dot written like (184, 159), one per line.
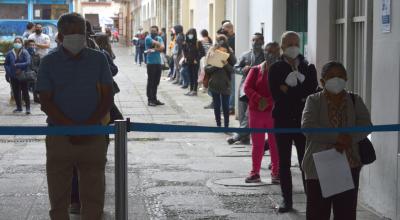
(262, 28)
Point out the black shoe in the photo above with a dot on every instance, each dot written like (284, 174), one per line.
(151, 103)
(17, 110)
(75, 208)
(285, 207)
(230, 140)
(245, 141)
(266, 146)
(193, 93)
(157, 102)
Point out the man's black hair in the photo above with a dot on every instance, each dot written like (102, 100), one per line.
(71, 19)
(154, 26)
(220, 31)
(260, 35)
(272, 44)
(27, 42)
(30, 25)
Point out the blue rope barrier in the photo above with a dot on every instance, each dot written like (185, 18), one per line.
(166, 128)
(56, 130)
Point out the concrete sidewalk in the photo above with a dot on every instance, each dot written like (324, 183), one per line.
(171, 175)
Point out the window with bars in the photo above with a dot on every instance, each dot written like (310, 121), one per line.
(353, 44)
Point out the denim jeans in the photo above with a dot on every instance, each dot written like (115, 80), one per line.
(219, 99)
(185, 75)
(193, 73)
(139, 55)
(232, 96)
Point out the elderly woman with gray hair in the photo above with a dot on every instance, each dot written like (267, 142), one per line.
(333, 107)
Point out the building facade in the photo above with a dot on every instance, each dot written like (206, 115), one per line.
(101, 13)
(15, 14)
(34, 10)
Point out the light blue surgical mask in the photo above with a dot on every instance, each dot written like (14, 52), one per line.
(17, 46)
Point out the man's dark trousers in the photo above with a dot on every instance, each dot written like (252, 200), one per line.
(153, 80)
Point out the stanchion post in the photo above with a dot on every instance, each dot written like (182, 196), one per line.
(121, 170)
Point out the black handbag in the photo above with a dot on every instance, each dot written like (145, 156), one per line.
(27, 75)
(366, 149)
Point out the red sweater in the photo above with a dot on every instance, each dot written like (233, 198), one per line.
(256, 86)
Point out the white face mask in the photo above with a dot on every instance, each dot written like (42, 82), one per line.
(190, 36)
(74, 43)
(292, 52)
(335, 85)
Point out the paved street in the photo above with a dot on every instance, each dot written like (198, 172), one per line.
(171, 175)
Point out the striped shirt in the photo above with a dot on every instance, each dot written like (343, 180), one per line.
(206, 45)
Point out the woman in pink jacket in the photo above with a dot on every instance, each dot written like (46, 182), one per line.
(260, 114)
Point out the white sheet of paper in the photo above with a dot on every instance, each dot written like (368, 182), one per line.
(333, 171)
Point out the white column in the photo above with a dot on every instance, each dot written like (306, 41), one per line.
(380, 181)
(320, 34)
(242, 27)
(278, 26)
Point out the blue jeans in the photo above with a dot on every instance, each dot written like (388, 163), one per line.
(232, 96)
(185, 75)
(219, 99)
(139, 55)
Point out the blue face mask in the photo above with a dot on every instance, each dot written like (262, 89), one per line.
(31, 50)
(17, 46)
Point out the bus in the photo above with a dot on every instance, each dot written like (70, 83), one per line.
(15, 15)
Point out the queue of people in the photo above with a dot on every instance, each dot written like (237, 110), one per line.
(279, 89)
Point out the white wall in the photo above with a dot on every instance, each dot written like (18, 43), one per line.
(320, 24)
(230, 10)
(261, 11)
(200, 20)
(380, 181)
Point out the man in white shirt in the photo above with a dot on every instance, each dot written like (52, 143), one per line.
(42, 40)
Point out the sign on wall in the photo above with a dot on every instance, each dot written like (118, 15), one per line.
(386, 16)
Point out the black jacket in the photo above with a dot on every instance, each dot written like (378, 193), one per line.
(193, 52)
(289, 106)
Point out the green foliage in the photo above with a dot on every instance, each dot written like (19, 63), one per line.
(5, 46)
